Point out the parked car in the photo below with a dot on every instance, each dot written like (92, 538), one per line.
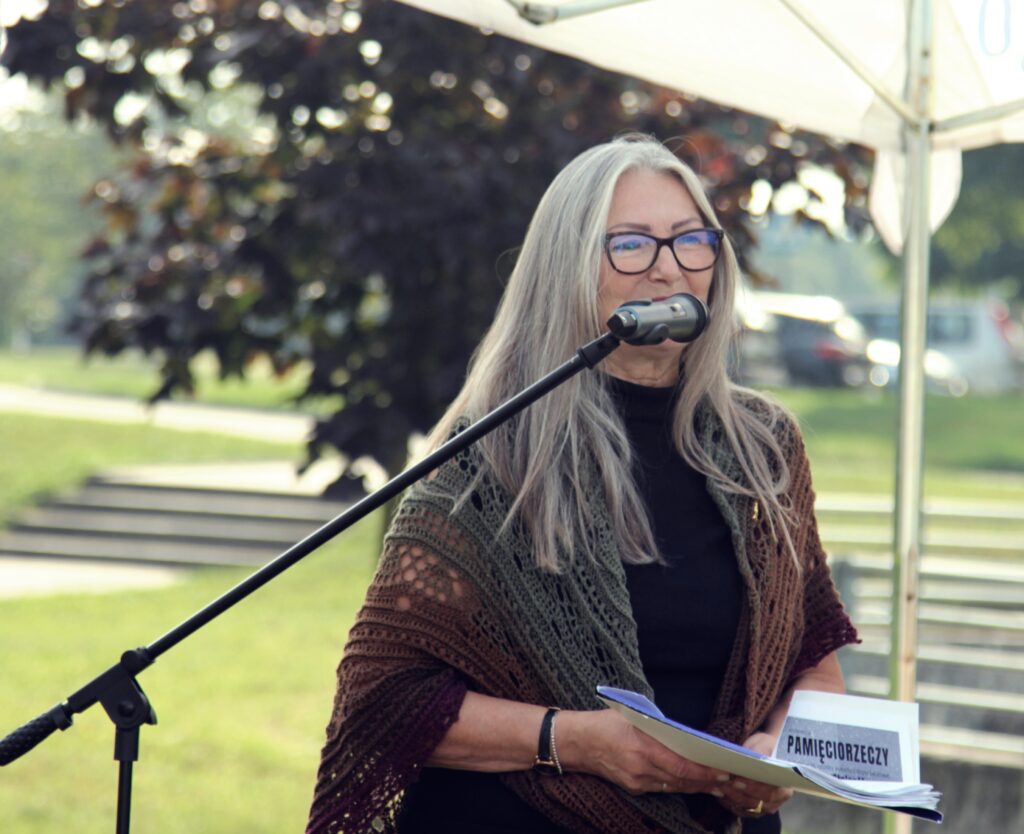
(941, 375)
(816, 341)
(755, 360)
(978, 336)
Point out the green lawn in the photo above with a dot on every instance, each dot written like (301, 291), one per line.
(134, 375)
(242, 704)
(41, 455)
(974, 446)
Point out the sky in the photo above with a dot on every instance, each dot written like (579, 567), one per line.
(14, 92)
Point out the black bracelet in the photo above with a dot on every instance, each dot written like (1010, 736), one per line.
(547, 763)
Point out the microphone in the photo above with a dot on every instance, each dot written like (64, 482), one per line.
(681, 317)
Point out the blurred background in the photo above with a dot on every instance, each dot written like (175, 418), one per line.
(248, 248)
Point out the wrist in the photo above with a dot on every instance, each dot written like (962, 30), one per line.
(566, 740)
(546, 761)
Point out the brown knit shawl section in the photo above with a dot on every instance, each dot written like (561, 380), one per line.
(456, 605)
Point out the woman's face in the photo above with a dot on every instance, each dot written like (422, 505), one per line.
(657, 203)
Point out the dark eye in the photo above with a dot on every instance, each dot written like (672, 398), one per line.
(698, 237)
(628, 244)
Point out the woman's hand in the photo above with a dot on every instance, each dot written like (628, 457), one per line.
(605, 744)
(747, 798)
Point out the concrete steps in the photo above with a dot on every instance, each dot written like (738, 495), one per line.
(198, 501)
(183, 552)
(1008, 595)
(113, 519)
(878, 537)
(863, 524)
(970, 668)
(207, 525)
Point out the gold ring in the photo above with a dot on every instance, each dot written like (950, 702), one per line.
(758, 810)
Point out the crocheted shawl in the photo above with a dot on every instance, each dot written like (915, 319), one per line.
(456, 605)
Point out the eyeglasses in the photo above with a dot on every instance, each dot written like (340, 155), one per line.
(634, 252)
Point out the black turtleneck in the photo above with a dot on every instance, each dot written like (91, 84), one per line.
(686, 611)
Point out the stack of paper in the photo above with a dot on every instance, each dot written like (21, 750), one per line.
(843, 747)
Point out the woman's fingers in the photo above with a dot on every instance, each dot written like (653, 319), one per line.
(749, 798)
(604, 743)
(684, 772)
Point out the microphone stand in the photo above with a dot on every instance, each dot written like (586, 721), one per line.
(120, 694)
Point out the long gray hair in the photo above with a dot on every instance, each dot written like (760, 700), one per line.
(550, 308)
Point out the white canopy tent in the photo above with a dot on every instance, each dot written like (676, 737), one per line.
(917, 80)
(869, 72)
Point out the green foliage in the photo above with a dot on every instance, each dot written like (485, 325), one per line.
(359, 224)
(806, 260)
(982, 243)
(48, 169)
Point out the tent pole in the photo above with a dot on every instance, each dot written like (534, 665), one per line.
(910, 444)
(913, 326)
(988, 114)
(542, 13)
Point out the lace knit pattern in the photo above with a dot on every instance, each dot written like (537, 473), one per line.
(455, 605)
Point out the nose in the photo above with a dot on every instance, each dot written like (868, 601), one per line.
(665, 266)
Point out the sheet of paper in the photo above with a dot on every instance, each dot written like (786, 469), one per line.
(872, 742)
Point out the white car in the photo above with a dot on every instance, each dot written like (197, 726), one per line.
(978, 336)
(941, 375)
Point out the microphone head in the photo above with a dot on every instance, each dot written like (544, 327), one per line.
(681, 317)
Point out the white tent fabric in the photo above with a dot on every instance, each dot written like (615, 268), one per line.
(763, 57)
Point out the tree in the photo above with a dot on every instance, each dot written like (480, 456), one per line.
(48, 166)
(360, 224)
(981, 245)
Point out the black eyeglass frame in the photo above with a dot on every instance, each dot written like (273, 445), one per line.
(718, 234)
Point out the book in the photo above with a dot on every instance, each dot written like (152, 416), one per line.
(862, 751)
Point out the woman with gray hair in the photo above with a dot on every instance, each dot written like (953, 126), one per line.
(648, 526)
